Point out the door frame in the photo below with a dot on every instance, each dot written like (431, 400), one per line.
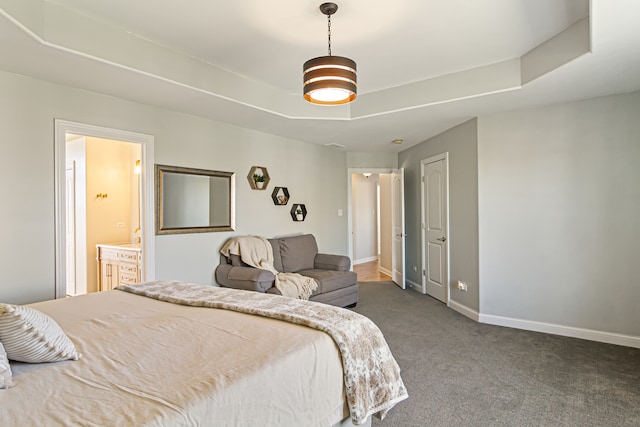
(398, 174)
(70, 214)
(423, 244)
(62, 127)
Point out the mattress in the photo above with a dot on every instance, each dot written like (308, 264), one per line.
(151, 363)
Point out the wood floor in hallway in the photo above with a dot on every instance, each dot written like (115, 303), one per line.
(370, 272)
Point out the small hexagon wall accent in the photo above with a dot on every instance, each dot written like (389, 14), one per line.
(280, 196)
(261, 173)
(294, 212)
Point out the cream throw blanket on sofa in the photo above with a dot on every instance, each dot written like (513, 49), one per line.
(257, 252)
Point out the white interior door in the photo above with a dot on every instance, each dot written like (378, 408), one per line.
(70, 215)
(397, 227)
(435, 228)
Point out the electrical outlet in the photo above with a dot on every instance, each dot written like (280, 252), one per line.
(462, 286)
(119, 224)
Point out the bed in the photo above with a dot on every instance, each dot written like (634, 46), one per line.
(150, 362)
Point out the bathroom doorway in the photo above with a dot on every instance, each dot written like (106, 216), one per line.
(103, 204)
(104, 196)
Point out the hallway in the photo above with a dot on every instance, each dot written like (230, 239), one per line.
(370, 272)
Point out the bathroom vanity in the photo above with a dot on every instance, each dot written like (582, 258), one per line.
(118, 263)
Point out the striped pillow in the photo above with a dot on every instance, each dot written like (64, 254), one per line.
(33, 337)
(5, 370)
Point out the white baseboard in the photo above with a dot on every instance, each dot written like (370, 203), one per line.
(464, 310)
(363, 260)
(385, 271)
(548, 328)
(414, 285)
(567, 331)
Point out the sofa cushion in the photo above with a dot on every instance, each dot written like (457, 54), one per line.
(332, 262)
(329, 280)
(251, 274)
(277, 259)
(236, 261)
(341, 297)
(298, 253)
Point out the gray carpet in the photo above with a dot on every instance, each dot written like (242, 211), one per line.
(462, 373)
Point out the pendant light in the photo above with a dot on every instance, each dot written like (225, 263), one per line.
(329, 80)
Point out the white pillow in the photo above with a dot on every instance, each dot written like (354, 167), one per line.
(5, 370)
(33, 337)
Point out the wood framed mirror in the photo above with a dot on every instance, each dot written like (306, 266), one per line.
(194, 200)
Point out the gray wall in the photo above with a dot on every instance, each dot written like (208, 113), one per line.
(374, 159)
(363, 203)
(461, 144)
(28, 108)
(559, 202)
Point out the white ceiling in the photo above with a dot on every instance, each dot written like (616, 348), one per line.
(241, 62)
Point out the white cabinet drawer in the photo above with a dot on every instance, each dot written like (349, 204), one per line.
(129, 268)
(128, 278)
(130, 256)
(108, 253)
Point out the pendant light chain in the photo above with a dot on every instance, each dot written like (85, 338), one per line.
(329, 32)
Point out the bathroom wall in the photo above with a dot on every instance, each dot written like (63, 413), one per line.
(109, 172)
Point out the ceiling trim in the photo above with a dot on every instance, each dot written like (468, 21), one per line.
(58, 28)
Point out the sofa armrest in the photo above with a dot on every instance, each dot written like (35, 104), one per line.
(245, 278)
(332, 262)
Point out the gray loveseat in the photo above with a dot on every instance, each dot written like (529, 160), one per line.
(337, 285)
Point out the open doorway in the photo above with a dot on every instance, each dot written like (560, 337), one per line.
(104, 197)
(376, 224)
(103, 209)
(371, 226)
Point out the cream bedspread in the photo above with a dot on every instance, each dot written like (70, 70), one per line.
(371, 375)
(152, 363)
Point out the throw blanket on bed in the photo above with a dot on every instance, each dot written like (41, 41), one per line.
(371, 375)
(257, 252)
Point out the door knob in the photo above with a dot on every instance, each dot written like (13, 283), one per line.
(442, 239)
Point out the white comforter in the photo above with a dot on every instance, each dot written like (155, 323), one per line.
(371, 375)
(152, 363)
